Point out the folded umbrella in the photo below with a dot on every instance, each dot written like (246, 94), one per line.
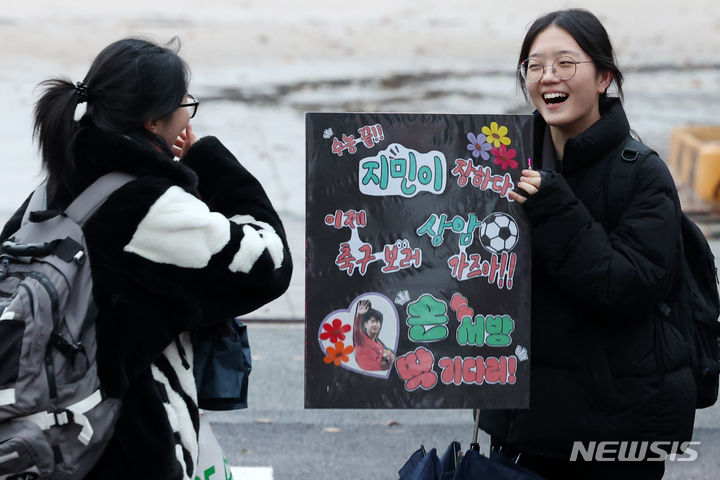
(450, 460)
(422, 466)
(475, 466)
(412, 463)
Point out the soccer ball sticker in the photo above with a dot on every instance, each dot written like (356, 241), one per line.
(498, 232)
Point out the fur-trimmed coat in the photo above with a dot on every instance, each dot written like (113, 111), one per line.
(183, 246)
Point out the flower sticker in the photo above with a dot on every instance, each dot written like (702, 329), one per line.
(338, 354)
(478, 145)
(334, 332)
(496, 135)
(504, 157)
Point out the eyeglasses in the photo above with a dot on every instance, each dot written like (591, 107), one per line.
(194, 104)
(563, 68)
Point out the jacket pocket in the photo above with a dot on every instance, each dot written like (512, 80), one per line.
(25, 449)
(671, 348)
(11, 333)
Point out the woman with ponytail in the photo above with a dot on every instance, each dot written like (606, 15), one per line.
(192, 241)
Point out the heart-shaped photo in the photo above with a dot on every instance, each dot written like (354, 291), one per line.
(363, 338)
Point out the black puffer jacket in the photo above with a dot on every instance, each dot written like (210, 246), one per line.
(597, 338)
(185, 245)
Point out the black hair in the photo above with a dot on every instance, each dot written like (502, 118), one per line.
(130, 82)
(587, 31)
(370, 314)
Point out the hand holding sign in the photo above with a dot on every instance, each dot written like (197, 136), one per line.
(529, 183)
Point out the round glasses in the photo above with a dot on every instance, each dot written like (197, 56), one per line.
(563, 68)
(193, 104)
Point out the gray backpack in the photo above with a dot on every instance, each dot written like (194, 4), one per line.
(54, 419)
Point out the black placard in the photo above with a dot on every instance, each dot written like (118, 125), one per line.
(417, 262)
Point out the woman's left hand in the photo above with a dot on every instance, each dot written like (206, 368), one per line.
(529, 183)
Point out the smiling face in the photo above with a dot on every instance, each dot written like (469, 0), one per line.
(372, 327)
(568, 106)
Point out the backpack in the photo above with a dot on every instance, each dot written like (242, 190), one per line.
(54, 419)
(694, 306)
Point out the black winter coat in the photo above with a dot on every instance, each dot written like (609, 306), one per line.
(185, 245)
(598, 341)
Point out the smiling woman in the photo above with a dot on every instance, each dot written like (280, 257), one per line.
(605, 363)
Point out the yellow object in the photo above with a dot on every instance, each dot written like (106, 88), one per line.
(695, 159)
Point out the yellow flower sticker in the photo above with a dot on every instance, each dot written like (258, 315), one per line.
(496, 135)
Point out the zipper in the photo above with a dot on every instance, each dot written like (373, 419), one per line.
(55, 337)
(32, 299)
(55, 307)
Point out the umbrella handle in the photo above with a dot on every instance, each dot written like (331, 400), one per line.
(475, 445)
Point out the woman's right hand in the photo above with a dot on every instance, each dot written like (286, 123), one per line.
(184, 141)
(529, 183)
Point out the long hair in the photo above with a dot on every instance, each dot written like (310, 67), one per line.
(130, 82)
(587, 31)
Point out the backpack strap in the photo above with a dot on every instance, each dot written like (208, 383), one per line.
(620, 176)
(37, 203)
(93, 196)
(78, 211)
(81, 209)
(74, 413)
(83, 206)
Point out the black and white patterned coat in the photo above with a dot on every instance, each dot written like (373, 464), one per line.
(185, 245)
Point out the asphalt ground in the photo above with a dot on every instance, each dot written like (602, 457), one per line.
(275, 430)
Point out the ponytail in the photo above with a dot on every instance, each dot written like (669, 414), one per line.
(55, 128)
(130, 82)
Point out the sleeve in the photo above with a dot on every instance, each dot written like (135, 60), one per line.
(358, 335)
(627, 269)
(210, 259)
(256, 259)
(367, 357)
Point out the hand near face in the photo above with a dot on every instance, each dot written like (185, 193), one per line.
(529, 183)
(184, 141)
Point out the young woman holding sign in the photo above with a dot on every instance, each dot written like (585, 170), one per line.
(602, 368)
